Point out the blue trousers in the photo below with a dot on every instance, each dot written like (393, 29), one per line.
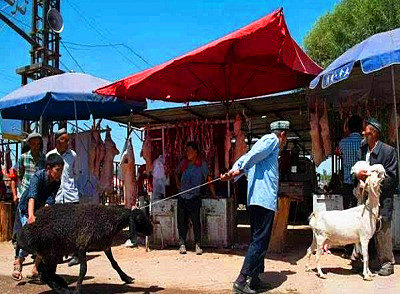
(261, 221)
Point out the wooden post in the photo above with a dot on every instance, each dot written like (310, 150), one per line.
(279, 229)
(5, 221)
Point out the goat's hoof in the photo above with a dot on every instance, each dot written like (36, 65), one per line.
(368, 278)
(322, 276)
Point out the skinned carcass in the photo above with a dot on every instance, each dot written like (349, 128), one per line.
(146, 151)
(228, 144)
(128, 175)
(240, 143)
(392, 126)
(356, 225)
(106, 173)
(317, 149)
(325, 135)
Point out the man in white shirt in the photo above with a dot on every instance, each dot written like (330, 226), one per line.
(68, 192)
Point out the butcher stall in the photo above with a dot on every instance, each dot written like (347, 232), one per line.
(223, 135)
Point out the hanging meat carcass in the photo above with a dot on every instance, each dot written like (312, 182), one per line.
(146, 150)
(228, 144)
(8, 158)
(325, 134)
(128, 175)
(206, 142)
(100, 154)
(240, 144)
(317, 149)
(392, 126)
(92, 150)
(106, 174)
(216, 163)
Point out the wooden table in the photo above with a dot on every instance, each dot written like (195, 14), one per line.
(5, 221)
(279, 230)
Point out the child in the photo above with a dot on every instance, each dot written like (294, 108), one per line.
(42, 191)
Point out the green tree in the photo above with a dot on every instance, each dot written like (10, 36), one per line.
(349, 23)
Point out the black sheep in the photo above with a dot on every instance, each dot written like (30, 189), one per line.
(63, 229)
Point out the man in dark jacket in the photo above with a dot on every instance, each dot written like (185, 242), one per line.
(375, 151)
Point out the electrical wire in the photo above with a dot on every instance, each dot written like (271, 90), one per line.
(109, 45)
(73, 58)
(77, 10)
(66, 67)
(16, 19)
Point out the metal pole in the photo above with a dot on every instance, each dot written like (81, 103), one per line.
(397, 123)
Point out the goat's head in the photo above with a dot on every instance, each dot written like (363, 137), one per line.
(374, 181)
(141, 221)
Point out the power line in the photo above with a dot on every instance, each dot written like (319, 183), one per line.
(73, 58)
(16, 19)
(110, 45)
(66, 67)
(74, 7)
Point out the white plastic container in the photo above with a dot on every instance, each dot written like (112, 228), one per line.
(217, 223)
(327, 202)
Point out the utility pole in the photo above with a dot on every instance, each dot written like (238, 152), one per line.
(45, 44)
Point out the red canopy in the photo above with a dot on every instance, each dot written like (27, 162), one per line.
(258, 59)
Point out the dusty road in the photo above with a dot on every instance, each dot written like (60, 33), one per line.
(167, 272)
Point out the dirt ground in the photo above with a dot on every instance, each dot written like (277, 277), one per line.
(167, 272)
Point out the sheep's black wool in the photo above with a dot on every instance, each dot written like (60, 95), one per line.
(64, 229)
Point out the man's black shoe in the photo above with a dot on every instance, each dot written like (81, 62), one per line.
(258, 285)
(386, 271)
(242, 288)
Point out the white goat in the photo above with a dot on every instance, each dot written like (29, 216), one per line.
(351, 226)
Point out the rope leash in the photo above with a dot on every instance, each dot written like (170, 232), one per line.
(158, 201)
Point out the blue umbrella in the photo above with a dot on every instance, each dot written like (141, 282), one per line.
(64, 97)
(362, 71)
(366, 70)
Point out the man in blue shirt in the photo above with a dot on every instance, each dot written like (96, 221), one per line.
(260, 165)
(42, 191)
(349, 147)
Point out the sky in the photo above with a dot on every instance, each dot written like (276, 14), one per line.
(151, 32)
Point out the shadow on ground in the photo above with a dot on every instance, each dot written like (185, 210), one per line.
(276, 279)
(114, 289)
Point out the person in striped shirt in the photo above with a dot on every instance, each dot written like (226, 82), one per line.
(349, 147)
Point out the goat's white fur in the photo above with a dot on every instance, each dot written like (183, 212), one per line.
(356, 225)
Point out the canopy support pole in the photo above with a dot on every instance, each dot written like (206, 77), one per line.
(397, 123)
(76, 117)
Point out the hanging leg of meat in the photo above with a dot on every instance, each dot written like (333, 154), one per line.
(216, 163)
(106, 174)
(8, 158)
(240, 144)
(227, 145)
(146, 150)
(324, 124)
(100, 153)
(128, 173)
(92, 151)
(317, 149)
(392, 126)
